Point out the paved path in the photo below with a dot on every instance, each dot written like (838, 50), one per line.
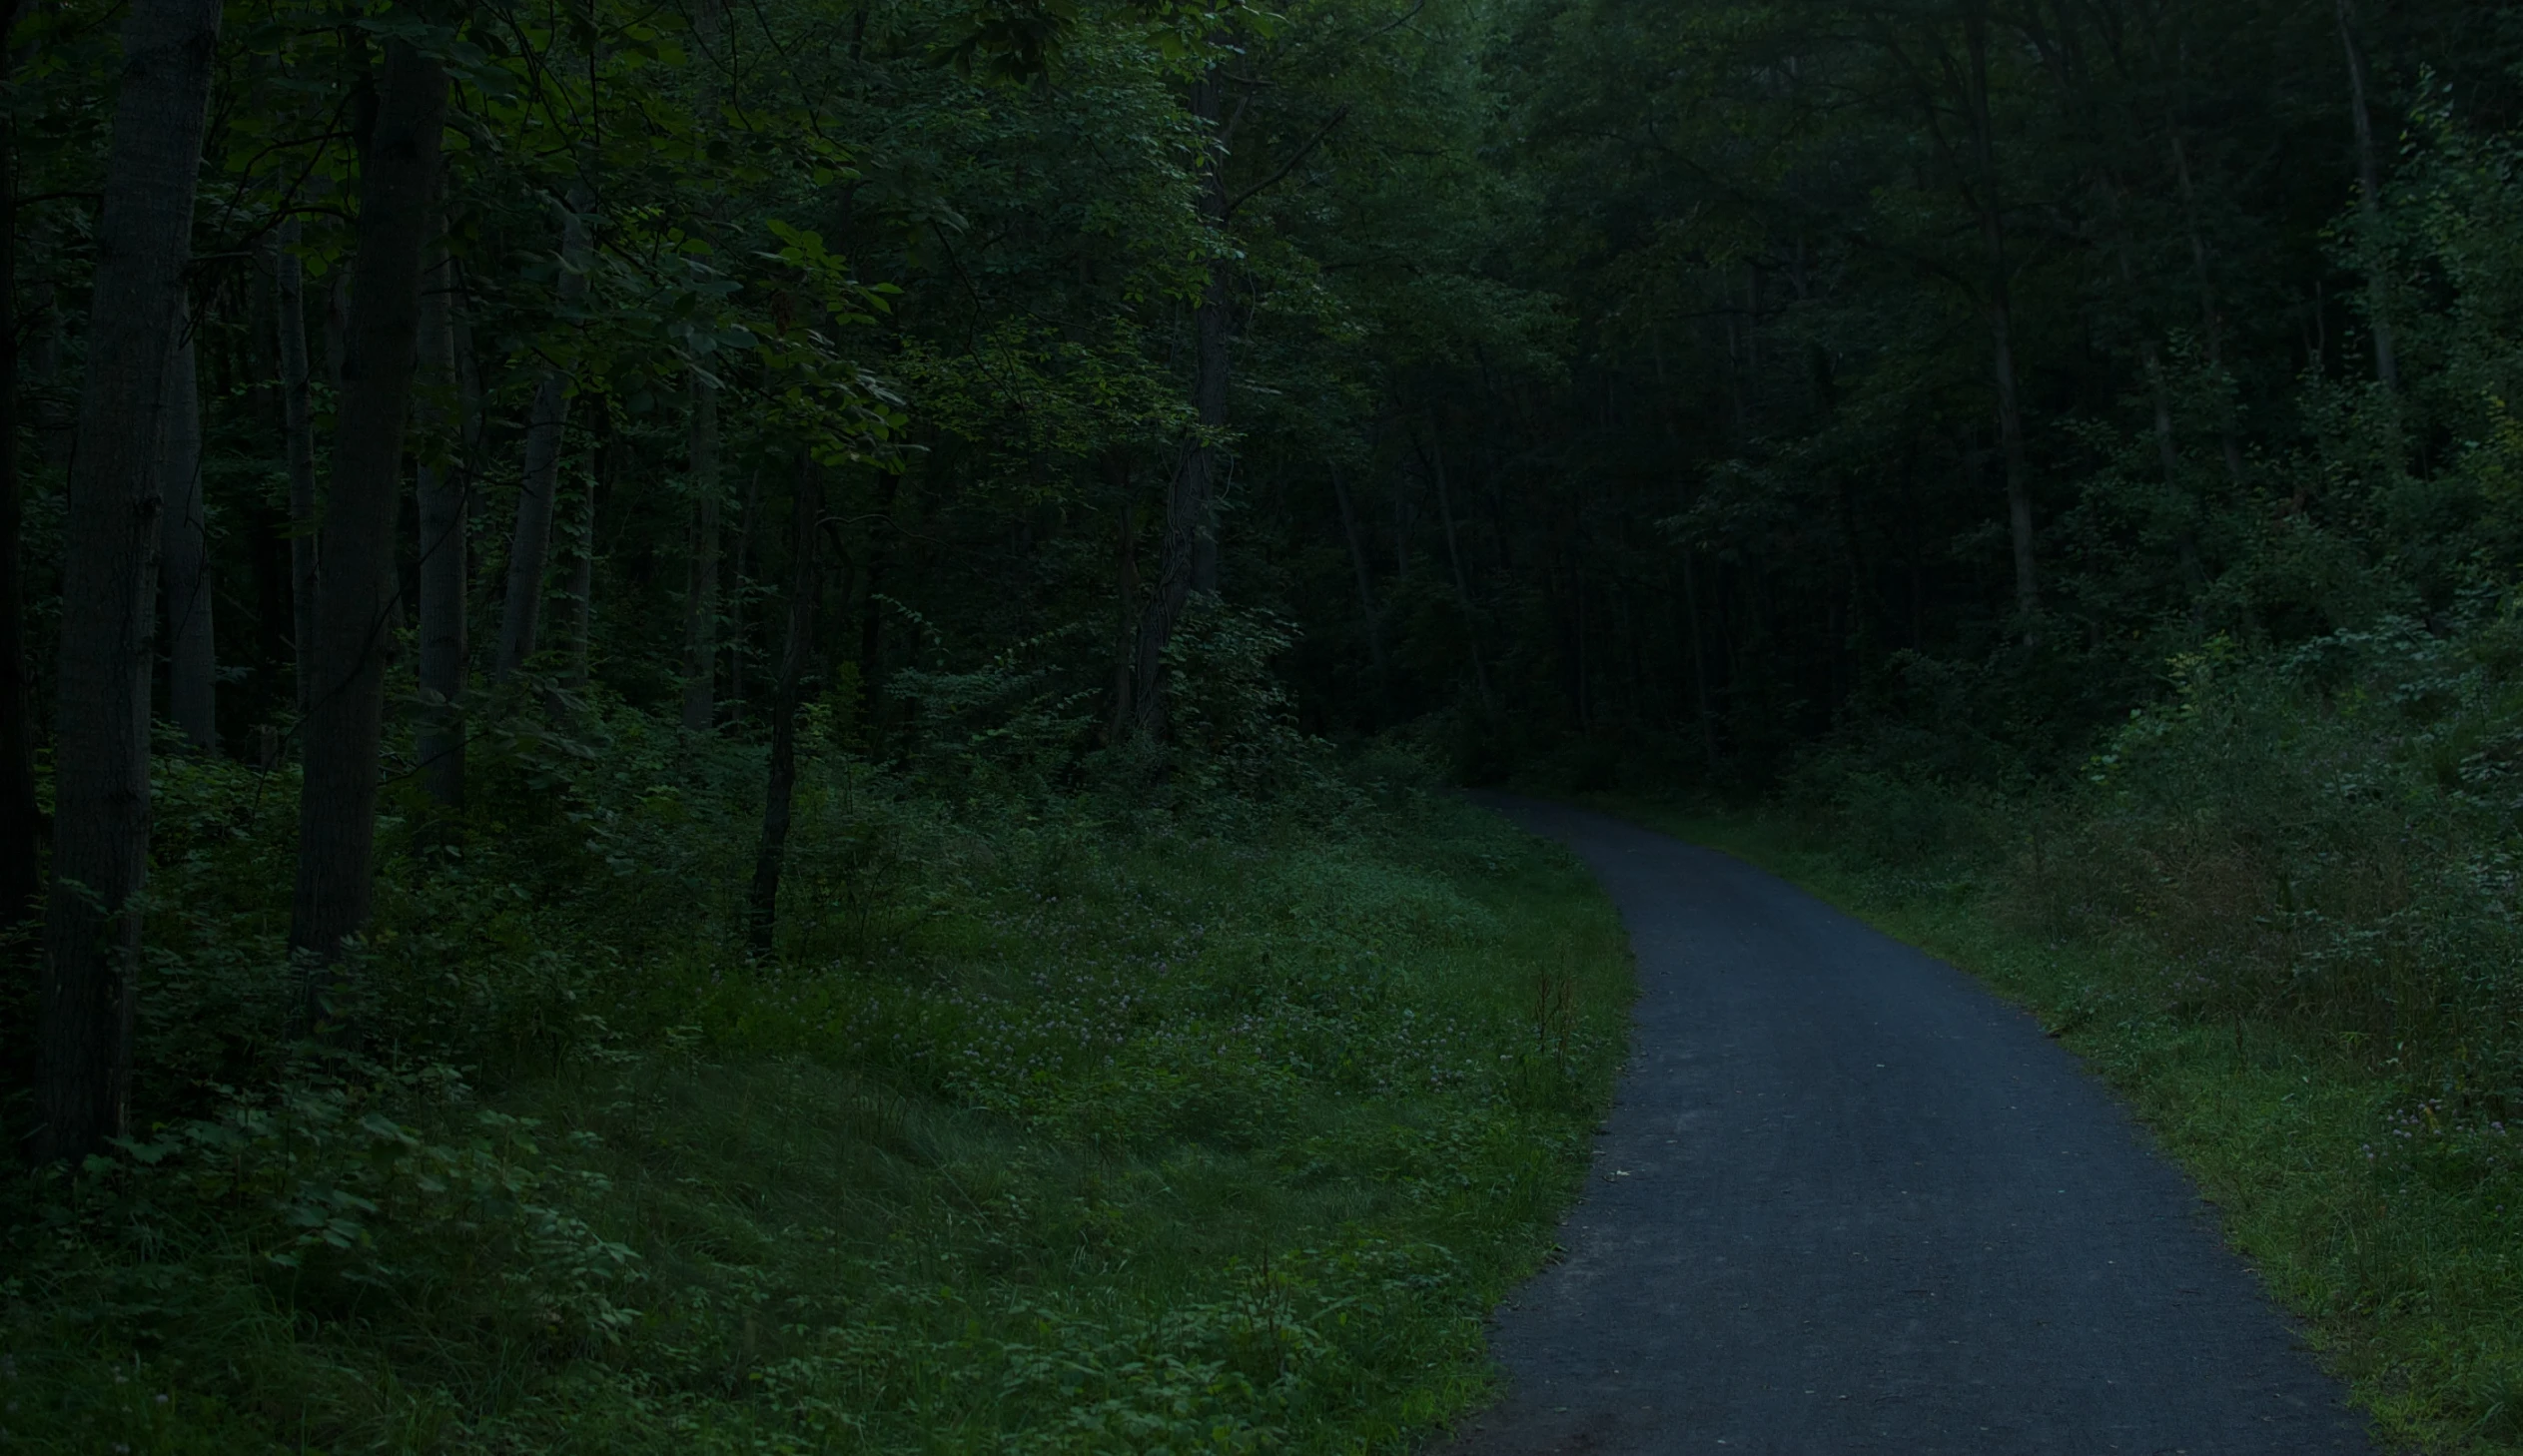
(1849, 1202)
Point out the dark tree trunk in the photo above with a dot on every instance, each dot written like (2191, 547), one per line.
(872, 614)
(762, 904)
(184, 559)
(2370, 206)
(144, 236)
(1462, 583)
(21, 812)
(1188, 555)
(336, 821)
(445, 489)
(2212, 318)
(2000, 307)
(747, 517)
(701, 595)
(530, 547)
(298, 425)
(1374, 619)
(1125, 593)
(612, 458)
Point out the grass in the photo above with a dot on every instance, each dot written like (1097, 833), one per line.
(2392, 1229)
(1067, 1141)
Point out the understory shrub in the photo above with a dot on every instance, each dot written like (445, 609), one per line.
(1045, 1130)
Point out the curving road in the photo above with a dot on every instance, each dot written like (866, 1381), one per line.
(1850, 1201)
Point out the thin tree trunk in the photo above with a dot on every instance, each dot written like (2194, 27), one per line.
(762, 904)
(2169, 460)
(183, 561)
(1368, 613)
(580, 596)
(2001, 311)
(530, 547)
(1126, 594)
(298, 425)
(336, 821)
(1462, 584)
(2212, 322)
(1699, 659)
(1188, 554)
(2370, 206)
(336, 326)
(21, 812)
(700, 597)
(872, 674)
(144, 236)
(737, 645)
(445, 489)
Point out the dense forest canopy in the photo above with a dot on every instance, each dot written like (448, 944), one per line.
(611, 433)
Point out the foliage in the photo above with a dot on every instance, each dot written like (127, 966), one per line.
(1044, 1132)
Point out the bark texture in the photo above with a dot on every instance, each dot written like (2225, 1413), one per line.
(444, 485)
(184, 559)
(336, 823)
(144, 239)
(805, 591)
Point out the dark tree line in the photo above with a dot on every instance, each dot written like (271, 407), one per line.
(1598, 387)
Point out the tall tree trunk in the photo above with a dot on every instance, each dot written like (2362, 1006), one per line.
(530, 547)
(1188, 554)
(336, 821)
(144, 236)
(2000, 307)
(184, 559)
(578, 597)
(1374, 619)
(762, 904)
(872, 674)
(2370, 206)
(748, 515)
(1125, 593)
(445, 489)
(298, 425)
(21, 812)
(2212, 318)
(1699, 660)
(701, 595)
(1462, 583)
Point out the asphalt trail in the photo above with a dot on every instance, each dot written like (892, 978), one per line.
(1850, 1201)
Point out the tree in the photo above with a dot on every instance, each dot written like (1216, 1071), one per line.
(446, 495)
(184, 560)
(357, 591)
(101, 756)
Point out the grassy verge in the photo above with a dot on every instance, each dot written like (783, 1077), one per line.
(1058, 1140)
(2394, 1235)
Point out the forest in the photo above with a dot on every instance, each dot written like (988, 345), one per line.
(734, 726)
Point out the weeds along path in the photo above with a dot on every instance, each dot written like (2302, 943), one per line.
(1850, 1201)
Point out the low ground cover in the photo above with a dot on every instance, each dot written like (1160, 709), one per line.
(1046, 1132)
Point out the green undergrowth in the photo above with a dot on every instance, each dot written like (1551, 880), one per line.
(2382, 1206)
(1048, 1131)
